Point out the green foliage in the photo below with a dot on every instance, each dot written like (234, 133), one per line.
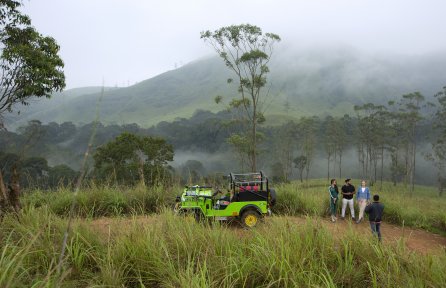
(300, 162)
(246, 51)
(164, 251)
(104, 201)
(438, 155)
(423, 210)
(130, 157)
(29, 61)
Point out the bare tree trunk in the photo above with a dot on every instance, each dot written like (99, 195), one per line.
(3, 189)
(254, 138)
(141, 172)
(413, 168)
(14, 193)
(334, 164)
(4, 200)
(328, 167)
(340, 164)
(382, 165)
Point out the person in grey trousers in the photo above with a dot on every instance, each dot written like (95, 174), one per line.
(375, 211)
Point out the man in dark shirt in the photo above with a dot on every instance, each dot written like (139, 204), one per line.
(348, 190)
(375, 211)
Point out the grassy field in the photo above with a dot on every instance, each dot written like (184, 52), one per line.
(176, 252)
(424, 209)
(173, 252)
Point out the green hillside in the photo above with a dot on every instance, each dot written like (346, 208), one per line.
(302, 83)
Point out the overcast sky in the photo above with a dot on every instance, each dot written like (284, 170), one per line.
(122, 42)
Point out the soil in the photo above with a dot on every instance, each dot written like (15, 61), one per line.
(417, 240)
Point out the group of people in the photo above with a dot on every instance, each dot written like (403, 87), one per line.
(374, 209)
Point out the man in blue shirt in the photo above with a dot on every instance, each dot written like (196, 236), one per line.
(375, 211)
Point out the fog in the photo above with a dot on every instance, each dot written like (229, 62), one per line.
(118, 43)
(227, 162)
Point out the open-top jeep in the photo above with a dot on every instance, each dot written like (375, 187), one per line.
(248, 198)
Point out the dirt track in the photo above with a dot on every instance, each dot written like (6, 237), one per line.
(415, 239)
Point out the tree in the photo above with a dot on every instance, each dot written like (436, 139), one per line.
(307, 140)
(371, 137)
(438, 154)
(327, 138)
(410, 106)
(29, 66)
(300, 163)
(29, 63)
(192, 170)
(130, 158)
(246, 51)
(62, 175)
(284, 143)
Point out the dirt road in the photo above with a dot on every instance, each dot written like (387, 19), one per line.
(415, 239)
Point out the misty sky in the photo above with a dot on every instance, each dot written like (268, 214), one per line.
(123, 42)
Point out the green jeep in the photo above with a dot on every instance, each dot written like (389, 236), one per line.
(248, 199)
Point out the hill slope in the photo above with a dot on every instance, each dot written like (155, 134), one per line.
(302, 83)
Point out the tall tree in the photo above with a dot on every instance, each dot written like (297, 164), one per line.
(410, 106)
(29, 63)
(370, 136)
(246, 50)
(130, 157)
(300, 162)
(329, 145)
(284, 138)
(438, 154)
(307, 128)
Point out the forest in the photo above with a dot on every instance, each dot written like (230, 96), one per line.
(384, 141)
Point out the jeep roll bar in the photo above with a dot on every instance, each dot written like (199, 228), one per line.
(239, 179)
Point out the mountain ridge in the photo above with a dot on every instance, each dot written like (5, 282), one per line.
(302, 83)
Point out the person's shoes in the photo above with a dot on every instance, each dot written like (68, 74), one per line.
(333, 219)
(353, 219)
(359, 221)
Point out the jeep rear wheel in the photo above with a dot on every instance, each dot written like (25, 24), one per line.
(250, 218)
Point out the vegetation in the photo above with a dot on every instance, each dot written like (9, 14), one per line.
(130, 159)
(422, 210)
(207, 132)
(438, 154)
(246, 51)
(165, 251)
(29, 62)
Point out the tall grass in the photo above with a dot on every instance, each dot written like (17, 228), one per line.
(99, 201)
(423, 210)
(174, 252)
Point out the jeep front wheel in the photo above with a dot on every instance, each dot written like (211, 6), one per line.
(250, 218)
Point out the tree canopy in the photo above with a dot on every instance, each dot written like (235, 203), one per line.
(246, 50)
(29, 62)
(130, 158)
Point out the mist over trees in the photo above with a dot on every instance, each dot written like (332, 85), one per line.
(374, 143)
(246, 51)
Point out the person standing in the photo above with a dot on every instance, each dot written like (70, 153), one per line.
(375, 211)
(348, 190)
(363, 198)
(333, 190)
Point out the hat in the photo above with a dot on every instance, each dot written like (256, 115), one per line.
(348, 179)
